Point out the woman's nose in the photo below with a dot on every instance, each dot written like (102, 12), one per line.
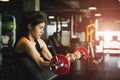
(42, 31)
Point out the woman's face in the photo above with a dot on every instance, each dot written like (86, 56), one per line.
(38, 30)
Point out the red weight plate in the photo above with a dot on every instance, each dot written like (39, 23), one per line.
(65, 69)
(85, 51)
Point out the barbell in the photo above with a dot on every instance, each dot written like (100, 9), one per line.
(60, 64)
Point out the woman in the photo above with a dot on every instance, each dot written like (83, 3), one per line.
(31, 56)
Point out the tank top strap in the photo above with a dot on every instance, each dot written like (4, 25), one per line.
(38, 47)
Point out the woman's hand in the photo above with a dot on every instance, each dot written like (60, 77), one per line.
(77, 54)
(73, 56)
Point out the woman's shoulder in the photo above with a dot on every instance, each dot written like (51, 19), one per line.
(23, 42)
(41, 42)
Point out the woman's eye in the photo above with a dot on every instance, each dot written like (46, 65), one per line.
(40, 27)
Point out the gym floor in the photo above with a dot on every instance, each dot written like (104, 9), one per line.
(108, 70)
(84, 70)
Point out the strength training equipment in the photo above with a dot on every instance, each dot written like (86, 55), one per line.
(84, 53)
(61, 65)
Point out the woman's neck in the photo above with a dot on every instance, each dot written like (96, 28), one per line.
(31, 38)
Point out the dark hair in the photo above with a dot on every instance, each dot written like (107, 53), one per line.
(32, 18)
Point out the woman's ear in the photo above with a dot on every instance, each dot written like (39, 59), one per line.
(29, 26)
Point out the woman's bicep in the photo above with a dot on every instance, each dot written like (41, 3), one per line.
(46, 52)
(32, 52)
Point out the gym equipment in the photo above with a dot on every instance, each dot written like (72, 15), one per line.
(8, 25)
(62, 64)
(7, 31)
(84, 53)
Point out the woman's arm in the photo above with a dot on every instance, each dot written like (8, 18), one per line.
(46, 53)
(34, 54)
(73, 56)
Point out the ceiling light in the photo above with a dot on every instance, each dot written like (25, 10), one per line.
(97, 14)
(4, 0)
(92, 8)
(51, 17)
(92, 5)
